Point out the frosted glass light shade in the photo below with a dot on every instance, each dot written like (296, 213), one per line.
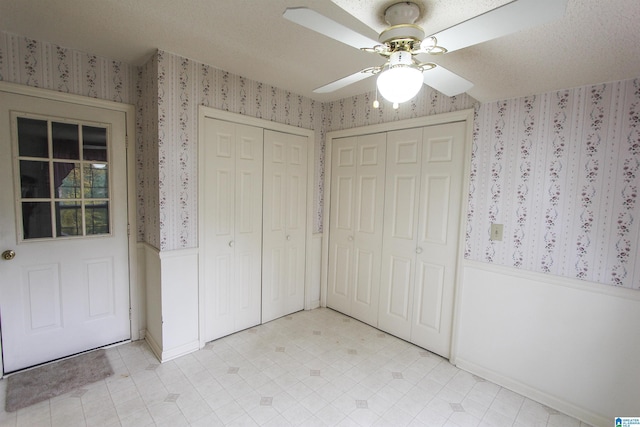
(400, 83)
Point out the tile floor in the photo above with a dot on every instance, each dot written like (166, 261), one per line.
(313, 368)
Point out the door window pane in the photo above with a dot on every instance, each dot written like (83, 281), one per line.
(67, 180)
(69, 219)
(34, 179)
(96, 182)
(65, 141)
(33, 139)
(94, 143)
(36, 220)
(97, 217)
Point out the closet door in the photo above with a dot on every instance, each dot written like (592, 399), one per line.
(441, 192)
(425, 169)
(402, 187)
(342, 223)
(233, 227)
(355, 226)
(284, 224)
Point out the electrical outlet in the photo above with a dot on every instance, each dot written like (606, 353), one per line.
(496, 232)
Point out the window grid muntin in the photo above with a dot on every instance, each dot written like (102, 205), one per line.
(54, 198)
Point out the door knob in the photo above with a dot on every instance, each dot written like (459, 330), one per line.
(288, 237)
(418, 250)
(231, 244)
(350, 238)
(8, 255)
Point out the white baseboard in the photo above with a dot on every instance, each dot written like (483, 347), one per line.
(553, 402)
(313, 305)
(155, 348)
(180, 351)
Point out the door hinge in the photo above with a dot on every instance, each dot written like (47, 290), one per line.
(129, 314)
(126, 142)
(128, 229)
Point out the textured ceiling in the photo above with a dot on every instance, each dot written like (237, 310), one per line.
(596, 41)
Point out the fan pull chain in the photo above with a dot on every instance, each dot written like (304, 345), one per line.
(376, 104)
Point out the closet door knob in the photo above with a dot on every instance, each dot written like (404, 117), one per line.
(288, 237)
(231, 243)
(350, 238)
(418, 250)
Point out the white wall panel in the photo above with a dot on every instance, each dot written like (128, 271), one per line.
(569, 344)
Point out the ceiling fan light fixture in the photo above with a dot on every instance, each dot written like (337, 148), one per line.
(401, 80)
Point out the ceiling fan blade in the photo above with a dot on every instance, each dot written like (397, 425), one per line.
(313, 20)
(510, 18)
(345, 81)
(446, 82)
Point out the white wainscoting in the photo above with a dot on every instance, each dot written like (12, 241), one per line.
(172, 302)
(141, 278)
(312, 294)
(569, 344)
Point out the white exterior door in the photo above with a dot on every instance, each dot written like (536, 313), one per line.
(63, 211)
(425, 169)
(355, 226)
(284, 224)
(232, 226)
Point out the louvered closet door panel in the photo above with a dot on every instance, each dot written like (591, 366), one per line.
(284, 224)
(438, 236)
(402, 186)
(342, 223)
(368, 208)
(232, 227)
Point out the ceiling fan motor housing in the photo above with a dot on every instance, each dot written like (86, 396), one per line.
(405, 12)
(402, 34)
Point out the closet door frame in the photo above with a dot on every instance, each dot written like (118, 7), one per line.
(456, 116)
(212, 113)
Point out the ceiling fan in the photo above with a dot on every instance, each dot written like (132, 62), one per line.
(408, 50)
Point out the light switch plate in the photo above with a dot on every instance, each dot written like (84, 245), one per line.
(496, 232)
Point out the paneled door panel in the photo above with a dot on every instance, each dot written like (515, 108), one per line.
(404, 150)
(248, 226)
(355, 226)
(232, 227)
(367, 232)
(340, 275)
(284, 236)
(341, 224)
(65, 216)
(429, 288)
(441, 196)
(42, 297)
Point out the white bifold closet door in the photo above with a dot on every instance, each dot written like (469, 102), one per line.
(284, 224)
(421, 233)
(232, 227)
(355, 226)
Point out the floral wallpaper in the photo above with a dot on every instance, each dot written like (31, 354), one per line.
(561, 171)
(45, 65)
(183, 85)
(147, 153)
